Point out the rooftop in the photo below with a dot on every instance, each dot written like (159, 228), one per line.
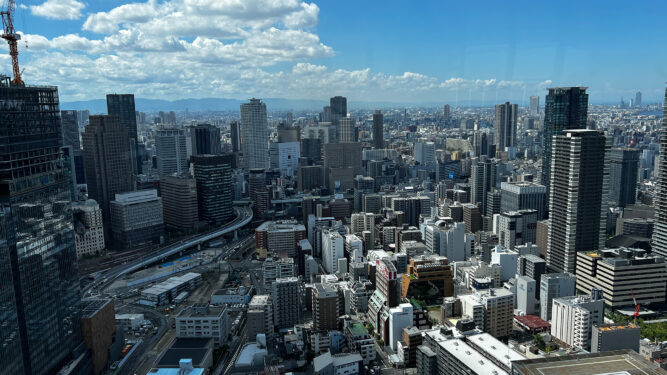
(625, 362)
(471, 358)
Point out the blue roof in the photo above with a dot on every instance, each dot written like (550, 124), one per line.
(175, 371)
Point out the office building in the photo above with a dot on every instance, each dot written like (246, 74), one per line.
(205, 139)
(311, 148)
(70, 129)
(254, 134)
(170, 151)
(332, 250)
(277, 268)
(400, 317)
(342, 162)
(310, 177)
(325, 307)
(534, 105)
(638, 99)
(98, 328)
(122, 106)
(280, 238)
(660, 230)
(341, 363)
(424, 153)
(136, 218)
(347, 130)
(427, 277)
(446, 238)
(286, 294)
(108, 161)
(532, 266)
(88, 228)
(564, 108)
(608, 337)
(378, 130)
(573, 318)
(360, 341)
(387, 283)
(40, 281)
(446, 112)
(578, 196)
(622, 272)
(483, 178)
(623, 171)
(517, 196)
(338, 105)
(179, 202)
(504, 125)
(472, 218)
(371, 203)
(492, 310)
(260, 316)
(235, 135)
(554, 285)
(526, 288)
(203, 321)
(507, 259)
(517, 228)
(213, 178)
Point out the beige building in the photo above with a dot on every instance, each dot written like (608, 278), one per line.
(88, 228)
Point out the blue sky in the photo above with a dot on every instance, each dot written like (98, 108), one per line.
(402, 51)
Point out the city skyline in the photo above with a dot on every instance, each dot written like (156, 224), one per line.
(296, 50)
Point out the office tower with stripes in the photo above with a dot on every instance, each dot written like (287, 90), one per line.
(254, 134)
(660, 229)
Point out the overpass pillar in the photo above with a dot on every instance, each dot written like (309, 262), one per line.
(236, 235)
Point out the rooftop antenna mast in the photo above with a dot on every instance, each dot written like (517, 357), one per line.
(10, 35)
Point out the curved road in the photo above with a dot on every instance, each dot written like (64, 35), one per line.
(243, 216)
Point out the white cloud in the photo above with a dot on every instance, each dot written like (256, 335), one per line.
(59, 9)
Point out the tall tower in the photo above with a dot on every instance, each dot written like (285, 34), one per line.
(483, 178)
(446, 112)
(638, 99)
(378, 130)
(254, 134)
(660, 230)
(623, 170)
(347, 130)
(504, 125)
(338, 105)
(215, 195)
(39, 281)
(107, 161)
(206, 139)
(564, 108)
(579, 177)
(534, 105)
(171, 151)
(235, 134)
(122, 105)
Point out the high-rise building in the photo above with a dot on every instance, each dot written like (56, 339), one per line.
(564, 108)
(213, 176)
(325, 307)
(378, 130)
(517, 228)
(554, 285)
(171, 151)
(573, 319)
(39, 282)
(286, 294)
(338, 105)
(179, 202)
(492, 310)
(424, 153)
(387, 282)
(341, 163)
(88, 228)
(235, 135)
(122, 105)
(578, 201)
(205, 139)
(623, 170)
(483, 178)
(517, 196)
(258, 193)
(504, 125)
(638, 99)
(136, 218)
(660, 230)
(280, 237)
(260, 316)
(446, 112)
(347, 130)
(108, 161)
(534, 105)
(70, 129)
(332, 250)
(254, 134)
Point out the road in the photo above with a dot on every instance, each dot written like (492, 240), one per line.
(243, 217)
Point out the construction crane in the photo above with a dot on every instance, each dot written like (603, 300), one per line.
(636, 314)
(12, 38)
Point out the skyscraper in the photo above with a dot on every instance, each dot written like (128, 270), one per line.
(347, 130)
(39, 282)
(446, 112)
(578, 196)
(534, 105)
(483, 177)
(254, 134)
(213, 176)
(338, 106)
(70, 129)
(235, 134)
(660, 229)
(107, 161)
(504, 125)
(122, 105)
(171, 151)
(638, 99)
(205, 139)
(378, 130)
(564, 108)
(623, 170)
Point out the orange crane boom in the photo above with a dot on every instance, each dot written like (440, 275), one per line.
(12, 39)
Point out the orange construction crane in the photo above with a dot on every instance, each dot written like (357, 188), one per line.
(12, 38)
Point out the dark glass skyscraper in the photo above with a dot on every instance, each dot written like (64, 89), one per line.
(39, 282)
(378, 130)
(504, 125)
(122, 105)
(213, 175)
(623, 170)
(564, 108)
(660, 230)
(205, 140)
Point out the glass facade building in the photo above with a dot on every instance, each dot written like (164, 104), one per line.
(39, 282)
